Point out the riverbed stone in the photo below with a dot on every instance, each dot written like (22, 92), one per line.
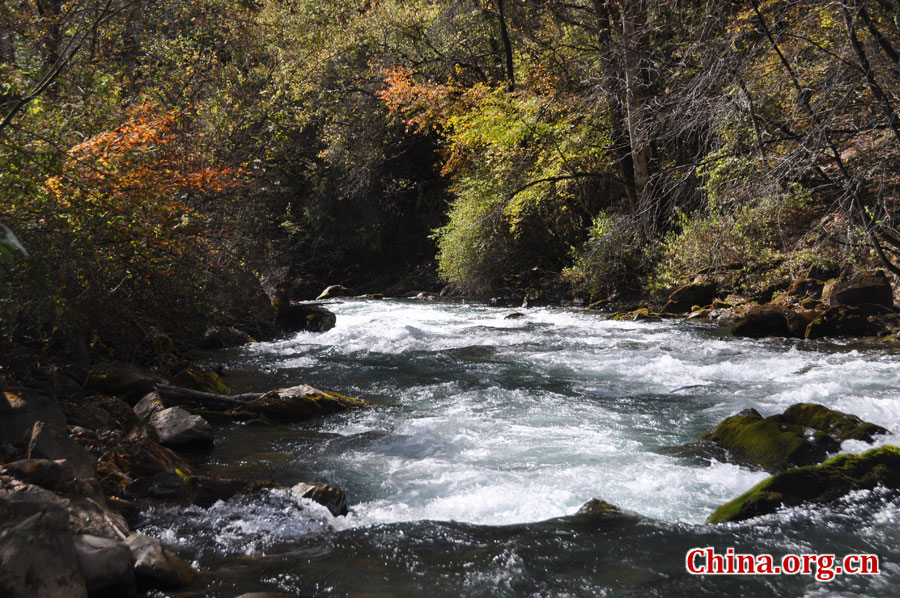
(296, 317)
(301, 402)
(169, 488)
(50, 441)
(331, 497)
(120, 380)
(822, 483)
(136, 458)
(106, 564)
(803, 435)
(19, 412)
(148, 406)
(38, 558)
(176, 427)
(201, 379)
(157, 567)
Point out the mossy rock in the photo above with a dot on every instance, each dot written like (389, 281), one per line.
(684, 298)
(595, 506)
(760, 322)
(200, 379)
(822, 483)
(843, 321)
(840, 426)
(302, 402)
(803, 435)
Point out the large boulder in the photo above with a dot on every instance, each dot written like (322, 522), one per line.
(133, 459)
(49, 441)
(310, 317)
(176, 427)
(869, 291)
(157, 567)
(57, 476)
(38, 558)
(843, 321)
(823, 483)
(19, 412)
(301, 402)
(803, 435)
(106, 564)
(221, 337)
(761, 322)
(331, 497)
(684, 298)
(148, 406)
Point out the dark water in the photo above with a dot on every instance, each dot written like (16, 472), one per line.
(489, 436)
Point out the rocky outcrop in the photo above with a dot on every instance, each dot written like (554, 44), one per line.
(761, 322)
(301, 402)
(803, 435)
(823, 483)
(222, 337)
(869, 291)
(684, 298)
(842, 321)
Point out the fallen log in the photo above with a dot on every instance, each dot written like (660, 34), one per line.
(204, 400)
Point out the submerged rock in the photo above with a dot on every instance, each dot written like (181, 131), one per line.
(815, 484)
(328, 496)
(803, 435)
(301, 402)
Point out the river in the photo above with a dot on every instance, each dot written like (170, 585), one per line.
(490, 433)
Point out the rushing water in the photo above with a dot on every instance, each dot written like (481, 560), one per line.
(490, 433)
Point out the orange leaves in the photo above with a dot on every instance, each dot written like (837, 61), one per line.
(422, 105)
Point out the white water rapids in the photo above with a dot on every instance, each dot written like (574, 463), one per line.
(493, 421)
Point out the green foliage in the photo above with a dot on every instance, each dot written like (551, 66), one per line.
(740, 243)
(610, 261)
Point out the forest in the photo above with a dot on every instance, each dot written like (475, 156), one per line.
(162, 163)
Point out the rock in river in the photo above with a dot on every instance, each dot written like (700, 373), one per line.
(301, 402)
(803, 435)
(815, 484)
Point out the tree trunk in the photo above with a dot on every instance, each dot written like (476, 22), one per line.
(633, 16)
(507, 47)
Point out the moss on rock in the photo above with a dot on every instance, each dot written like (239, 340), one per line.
(803, 435)
(301, 402)
(815, 484)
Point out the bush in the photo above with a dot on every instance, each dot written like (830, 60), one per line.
(610, 262)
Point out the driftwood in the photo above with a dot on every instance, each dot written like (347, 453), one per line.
(204, 400)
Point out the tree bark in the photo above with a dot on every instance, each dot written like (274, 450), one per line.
(507, 47)
(633, 16)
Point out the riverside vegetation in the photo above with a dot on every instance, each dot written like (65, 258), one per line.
(176, 176)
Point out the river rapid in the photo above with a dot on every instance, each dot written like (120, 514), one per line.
(490, 433)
